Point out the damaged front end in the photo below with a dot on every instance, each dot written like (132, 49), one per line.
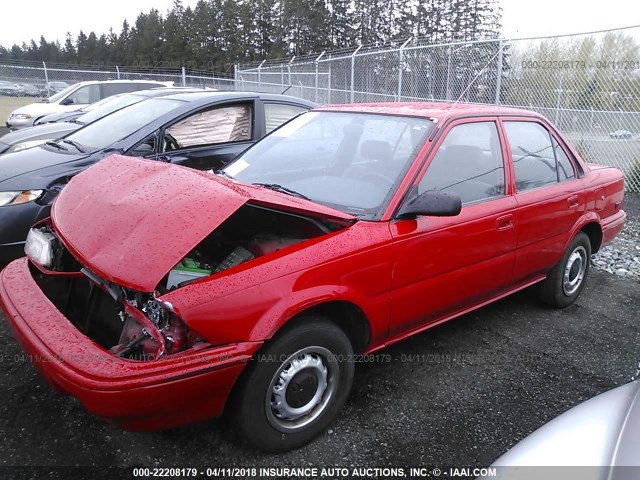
(140, 325)
(130, 324)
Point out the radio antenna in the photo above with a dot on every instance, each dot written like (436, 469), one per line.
(471, 83)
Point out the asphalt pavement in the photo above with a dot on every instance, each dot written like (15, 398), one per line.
(460, 394)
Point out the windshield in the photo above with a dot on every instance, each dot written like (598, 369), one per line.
(107, 106)
(353, 162)
(63, 93)
(119, 125)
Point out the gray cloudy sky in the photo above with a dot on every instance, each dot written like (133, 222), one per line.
(23, 20)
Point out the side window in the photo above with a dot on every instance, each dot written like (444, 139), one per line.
(534, 156)
(226, 124)
(469, 163)
(565, 167)
(277, 113)
(85, 95)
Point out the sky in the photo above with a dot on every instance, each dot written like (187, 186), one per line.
(23, 20)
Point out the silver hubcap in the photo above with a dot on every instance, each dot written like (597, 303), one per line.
(301, 389)
(574, 271)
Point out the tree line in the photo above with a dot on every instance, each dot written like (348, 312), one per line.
(215, 34)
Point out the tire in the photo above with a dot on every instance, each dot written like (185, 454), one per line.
(566, 280)
(315, 354)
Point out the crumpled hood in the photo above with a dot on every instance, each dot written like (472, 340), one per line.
(131, 220)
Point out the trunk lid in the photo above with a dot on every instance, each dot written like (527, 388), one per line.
(131, 220)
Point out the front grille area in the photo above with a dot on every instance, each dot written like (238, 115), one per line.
(94, 312)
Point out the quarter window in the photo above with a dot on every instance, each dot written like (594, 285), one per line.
(277, 113)
(468, 163)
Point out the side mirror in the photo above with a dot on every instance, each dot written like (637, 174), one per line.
(433, 203)
(67, 101)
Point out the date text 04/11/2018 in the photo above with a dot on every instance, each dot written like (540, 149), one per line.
(580, 64)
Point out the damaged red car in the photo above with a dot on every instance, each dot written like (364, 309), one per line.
(160, 295)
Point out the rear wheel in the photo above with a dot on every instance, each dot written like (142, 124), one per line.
(566, 280)
(295, 386)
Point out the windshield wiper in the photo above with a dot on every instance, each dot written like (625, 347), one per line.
(77, 122)
(280, 188)
(57, 145)
(75, 144)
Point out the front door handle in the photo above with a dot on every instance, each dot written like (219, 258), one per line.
(505, 222)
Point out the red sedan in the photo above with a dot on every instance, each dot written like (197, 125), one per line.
(160, 295)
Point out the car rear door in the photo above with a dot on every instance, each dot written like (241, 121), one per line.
(445, 265)
(549, 193)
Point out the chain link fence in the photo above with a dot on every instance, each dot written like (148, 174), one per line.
(32, 82)
(587, 84)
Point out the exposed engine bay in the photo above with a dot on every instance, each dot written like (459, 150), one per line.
(251, 232)
(137, 325)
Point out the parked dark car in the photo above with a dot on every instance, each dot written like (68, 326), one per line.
(256, 291)
(39, 134)
(202, 130)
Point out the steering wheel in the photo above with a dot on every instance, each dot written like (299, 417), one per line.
(170, 143)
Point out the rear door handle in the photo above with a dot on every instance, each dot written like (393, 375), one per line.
(505, 222)
(573, 201)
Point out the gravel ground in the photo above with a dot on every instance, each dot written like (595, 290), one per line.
(622, 256)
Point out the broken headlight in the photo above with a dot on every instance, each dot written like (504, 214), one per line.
(39, 247)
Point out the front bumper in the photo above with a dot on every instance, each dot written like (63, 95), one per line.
(137, 395)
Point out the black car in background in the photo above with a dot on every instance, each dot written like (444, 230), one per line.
(39, 134)
(203, 130)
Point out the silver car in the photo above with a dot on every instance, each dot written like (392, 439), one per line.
(602, 432)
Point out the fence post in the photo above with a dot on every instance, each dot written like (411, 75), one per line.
(259, 74)
(329, 85)
(499, 71)
(118, 72)
(353, 69)
(289, 68)
(46, 78)
(184, 77)
(400, 58)
(316, 62)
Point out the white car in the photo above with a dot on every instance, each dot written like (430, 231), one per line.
(76, 96)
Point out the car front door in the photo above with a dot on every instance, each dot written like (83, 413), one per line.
(549, 193)
(445, 265)
(206, 139)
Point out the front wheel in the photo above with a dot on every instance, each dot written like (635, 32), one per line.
(566, 280)
(295, 386)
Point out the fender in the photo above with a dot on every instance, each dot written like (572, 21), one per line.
(257, 313)
(588, 217)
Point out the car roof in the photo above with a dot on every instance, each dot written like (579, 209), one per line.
(433, 110)
(92, 82)
(207, 95)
